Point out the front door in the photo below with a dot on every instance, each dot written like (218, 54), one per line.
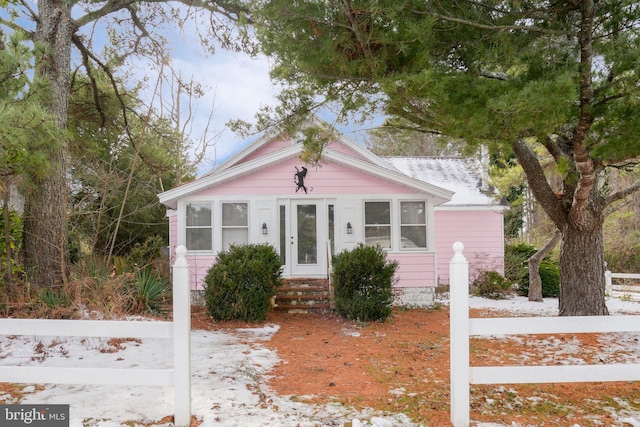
(306, 241)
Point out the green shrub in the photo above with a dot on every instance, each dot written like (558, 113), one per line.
(149, 291)
(54, 298)
(240, 285)
(491, 284)
(516, 262)
(148, 253)
(517, 270)
(363, 281)
(13, 264)
(550, 277)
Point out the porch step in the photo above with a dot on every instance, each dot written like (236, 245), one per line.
(303, 296)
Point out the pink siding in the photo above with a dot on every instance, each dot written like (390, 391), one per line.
(341, 148)
(269, 147)
(414, 269)
(481, 232)
(280, 143)
(198, 264)
(198, 267)
(173, 233)
(330, 178)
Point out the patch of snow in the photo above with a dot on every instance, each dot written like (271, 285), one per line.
(227, 376)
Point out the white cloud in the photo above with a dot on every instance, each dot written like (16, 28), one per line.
(236, 86)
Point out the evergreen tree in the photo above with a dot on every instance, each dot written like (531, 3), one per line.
(62, 27)
(25, 124)
(562, 77)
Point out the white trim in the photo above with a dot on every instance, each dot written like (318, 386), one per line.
(312, 121)
(467, 208)
(169, 198)
(182, 225)
(417, 249)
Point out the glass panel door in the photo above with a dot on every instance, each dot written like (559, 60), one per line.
(307, 228)
(308, 238)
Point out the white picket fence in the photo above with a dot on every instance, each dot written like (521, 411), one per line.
(178, 330)
(611, 288)
(462, 327)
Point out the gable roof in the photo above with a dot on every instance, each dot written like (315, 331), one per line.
(277, 131)
(379, 169)
(464, 176)
(451, 181)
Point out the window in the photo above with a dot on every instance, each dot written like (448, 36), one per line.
(377, 224)
(198, 227)
(331, 224)
(283, 234)
(235, 224)
(413, 225)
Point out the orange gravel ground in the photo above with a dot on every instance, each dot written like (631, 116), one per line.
(402, 365)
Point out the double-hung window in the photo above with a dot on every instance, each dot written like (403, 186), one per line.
(377, 224)
(235, 224)
(413, 225)
(199, 231)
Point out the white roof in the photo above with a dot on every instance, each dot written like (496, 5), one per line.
(466, 177)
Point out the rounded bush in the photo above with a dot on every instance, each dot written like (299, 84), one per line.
(240, 285)
(363, 283)
(549, 275)
(517, 270)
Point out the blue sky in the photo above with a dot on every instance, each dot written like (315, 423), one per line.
(236, 87)
(239, 86)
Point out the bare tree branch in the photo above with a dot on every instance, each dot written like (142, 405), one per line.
(619, 195)
(500, 28)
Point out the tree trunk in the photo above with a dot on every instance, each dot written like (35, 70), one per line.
(6, 197)
(45, 223)
(535, 283)
(582, 281)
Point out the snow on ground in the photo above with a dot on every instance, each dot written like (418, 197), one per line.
(226, 382)
(620, 347)
(522, 306)
(226, 377)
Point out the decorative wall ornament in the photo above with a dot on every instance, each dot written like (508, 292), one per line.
(298, 178)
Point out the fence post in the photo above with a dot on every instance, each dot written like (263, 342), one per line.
(182, 338)
(608, 282)
(459, 336)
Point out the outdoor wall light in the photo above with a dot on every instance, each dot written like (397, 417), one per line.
(349, 228)
(264, 228)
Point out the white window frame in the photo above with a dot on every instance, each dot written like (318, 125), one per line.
(425, 225)
(188, 227)
(223, 227)
(389, 225)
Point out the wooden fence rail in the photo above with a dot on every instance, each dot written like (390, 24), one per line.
(611, 287)
(462, 327)
(179, 377)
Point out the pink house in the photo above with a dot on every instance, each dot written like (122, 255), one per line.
(415, 208)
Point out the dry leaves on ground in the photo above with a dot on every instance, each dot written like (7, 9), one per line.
(402, 365)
